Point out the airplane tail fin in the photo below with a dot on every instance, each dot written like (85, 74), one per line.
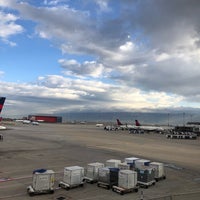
(2, 100)
(137, 123)
(119, 123)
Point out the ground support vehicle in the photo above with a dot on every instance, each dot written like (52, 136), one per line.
(43, 182)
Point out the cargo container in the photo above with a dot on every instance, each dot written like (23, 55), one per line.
(140, 163)
(91, 174)
(108, 177)
(112, 163)
(127, 182)
(131, 161)
(73, 177)
(43, 182)
(123, 166)
(159, 170)
(127, 179)
(146, 176)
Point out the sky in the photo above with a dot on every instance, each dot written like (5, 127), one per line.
(99, 55)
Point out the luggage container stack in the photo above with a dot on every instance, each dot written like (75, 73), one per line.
(159, 170)
(131, 162)
(146, 176)
(112, 163)
(91, 174)
(43, 182)
(73, 177)
(108, 177)
(127, 182)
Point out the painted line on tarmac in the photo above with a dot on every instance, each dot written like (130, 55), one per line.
(13, 179)
(11, 196)
(5, 179)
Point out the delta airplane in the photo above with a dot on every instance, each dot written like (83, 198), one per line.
(125, 126)
(138, 127)
(148, 128)
(2, 100)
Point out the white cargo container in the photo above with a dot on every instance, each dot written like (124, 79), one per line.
(146, 176)
(131, 161)
(112, 163)
(141, 163)
(127, 182)
(104, 174)
(127, 179)
(159, 170)
(123, 166)
(73, 177)
(43, 182)
(92, 169)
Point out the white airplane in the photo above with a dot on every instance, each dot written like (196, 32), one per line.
(26, 121)
(99, 125)
(148, 127)
(2, 100)
(124, 126)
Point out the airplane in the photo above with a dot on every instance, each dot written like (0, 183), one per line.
(26, 121)
(148, 127)
(2, 100)
(99, 125)
(124, 126)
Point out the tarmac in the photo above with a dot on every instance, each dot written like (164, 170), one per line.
(55, 146)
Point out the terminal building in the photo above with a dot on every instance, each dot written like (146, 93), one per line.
(45, 118)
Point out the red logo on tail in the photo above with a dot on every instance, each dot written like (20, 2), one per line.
(2, 100)
(119, 123)
(137, 123)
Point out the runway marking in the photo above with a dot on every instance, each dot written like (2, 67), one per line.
(13, 179)
(5, 179)
(11, 196)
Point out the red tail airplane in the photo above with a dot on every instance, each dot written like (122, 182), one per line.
(2, 100)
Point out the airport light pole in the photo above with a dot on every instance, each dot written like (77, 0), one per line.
(183, 119)
(168, 118)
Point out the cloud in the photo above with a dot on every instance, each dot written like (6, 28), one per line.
(59, 94)
(145, 54)
(88, 68)
(8, 27)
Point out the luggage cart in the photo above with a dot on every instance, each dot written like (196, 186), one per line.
(73, 177)
(69, 186)
(146, 184)
(104, 185)
(123, 191)
(32, 192)
(43, 181)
